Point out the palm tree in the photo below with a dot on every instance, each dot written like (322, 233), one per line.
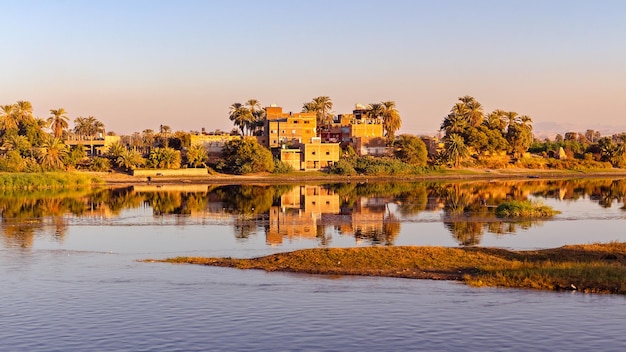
(510, 118)
(455, 149)
(8, 118)
(164, 131)
(88, 127)
(258, 114)
(322, 107)
(24, 110)
(473, 111)
(391, 120)
(129, 159)
(58, 122)
(375, 112)
(147, 139)
(241, 116)
(52, 154)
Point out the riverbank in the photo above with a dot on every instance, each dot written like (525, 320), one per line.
(120, 179)
(593, 268)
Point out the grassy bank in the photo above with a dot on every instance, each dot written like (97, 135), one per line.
(46, 180)
(597, 268)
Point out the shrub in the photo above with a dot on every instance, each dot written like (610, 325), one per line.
(281, 167)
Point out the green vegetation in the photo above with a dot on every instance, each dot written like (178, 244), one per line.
(46, 180)
(245, 156)
(524, 209)
(598, 268)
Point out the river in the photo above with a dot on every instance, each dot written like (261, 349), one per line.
(72, 279)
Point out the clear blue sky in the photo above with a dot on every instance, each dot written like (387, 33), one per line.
(138, 64)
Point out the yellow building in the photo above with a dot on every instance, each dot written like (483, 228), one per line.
(288, 128)
(300, 212)
(93, 145)
(213, 144)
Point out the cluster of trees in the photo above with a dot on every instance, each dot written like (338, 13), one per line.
(588, 146)
(470, 132)
(31, 144)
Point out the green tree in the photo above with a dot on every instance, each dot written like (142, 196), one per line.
(391, 120)
(258, 116)
(244, 156)
(455, 149)
(130, 159)
(196, 156)
(58, 122)
(322, 107)
(411, 150)
(88, 126)
(241, 117)
(8, 118)
(164, 158)
(52, 154)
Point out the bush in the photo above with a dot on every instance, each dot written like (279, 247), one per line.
(100, 164)
(244, 156)
(281, 167)
(343, 167)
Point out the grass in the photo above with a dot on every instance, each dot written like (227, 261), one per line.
(524, 209)
(46, 180)
(597, 268)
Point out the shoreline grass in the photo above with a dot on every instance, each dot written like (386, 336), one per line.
(47, 180)
(592, 268)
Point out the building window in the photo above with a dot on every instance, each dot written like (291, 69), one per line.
(327, 152)
(313, 152)
(283, 132)
(274, 131)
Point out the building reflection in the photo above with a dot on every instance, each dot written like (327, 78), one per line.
(372, 213)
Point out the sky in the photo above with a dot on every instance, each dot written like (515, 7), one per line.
(136, 65)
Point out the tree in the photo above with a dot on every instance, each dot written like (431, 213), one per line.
(8, 120)
(241, 117)
(164, 133)
(391, 120)
(258, 116)
(58, 122)
(245, 155)
(196, 156)
(164, 158)
(322, 107)
(411, 150)
(88, 126)
(129, 159)
(455, 149)
(52, 154)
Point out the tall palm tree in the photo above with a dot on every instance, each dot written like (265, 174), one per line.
(322, 106)
(24, 110)
(258, 114)
(164, 132)
(375, 112)
(88, 126)
(241, 116)
(147, 139)
(58, 122)
(391, 120)
(510, 118)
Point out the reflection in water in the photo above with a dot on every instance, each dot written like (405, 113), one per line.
(370, 212)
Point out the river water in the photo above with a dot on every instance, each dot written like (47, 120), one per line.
(71, 279)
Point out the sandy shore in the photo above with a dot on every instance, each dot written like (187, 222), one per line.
(120, 179)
